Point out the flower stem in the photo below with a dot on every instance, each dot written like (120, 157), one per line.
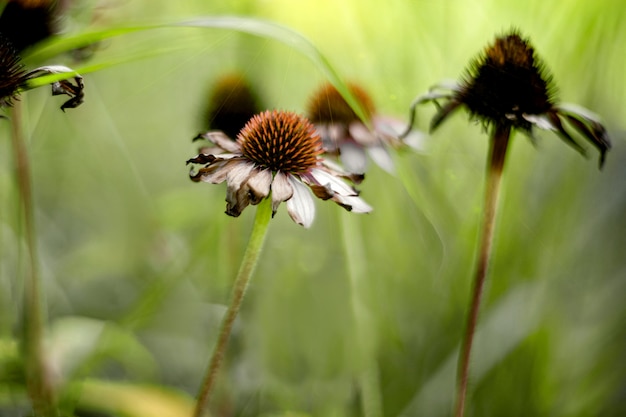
(38, 378)
(497, 153)
(250, 259)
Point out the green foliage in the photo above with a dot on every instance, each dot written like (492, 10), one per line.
(137, 261)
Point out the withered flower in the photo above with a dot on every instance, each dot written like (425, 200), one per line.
(508, 86)
(345, 135)
(276, 151)
(62, 87)
(12, 73)
(14, 78)
(232, 103)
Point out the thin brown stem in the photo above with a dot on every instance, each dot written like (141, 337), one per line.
(250, 258)
(38, 377)
(497, 154)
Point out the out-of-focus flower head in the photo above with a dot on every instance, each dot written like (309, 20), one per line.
(231, 104)
(276, 155)
(345, 135)
(26, 22)
(507, 85)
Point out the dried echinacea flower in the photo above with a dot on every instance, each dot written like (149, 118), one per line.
(232, 103)
(506, 88)
(276, 151)
(275, 158)
(345, 135)
(75, 89)
(14, 78)
(12, 74)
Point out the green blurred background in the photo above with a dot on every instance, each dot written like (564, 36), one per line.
(137, 261)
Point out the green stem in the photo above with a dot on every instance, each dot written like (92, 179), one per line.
(367, 378)
(38, 378)
(250, 259)
(497, 151)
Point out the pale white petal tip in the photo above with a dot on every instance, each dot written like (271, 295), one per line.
(382, 158)
(416, 140)
(300, 206)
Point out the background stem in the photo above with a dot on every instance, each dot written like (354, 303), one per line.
(38, 377)
(497, 154)
(367, 377)
(250, 259)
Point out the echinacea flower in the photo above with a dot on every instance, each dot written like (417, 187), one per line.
(277, 153)
(232, 103)
(508, 85)
(14, 78)
(345, 135)
(506, 88)
(12, 73)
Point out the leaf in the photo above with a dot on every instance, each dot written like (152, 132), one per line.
(505, 326)
(133, 400)
(252, 26)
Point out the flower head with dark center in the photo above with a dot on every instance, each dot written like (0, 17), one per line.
(507, 85)
(345, 135)
(232, 103)
(276, 153)
(11, 72)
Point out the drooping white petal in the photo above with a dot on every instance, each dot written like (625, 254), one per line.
(335, 184)
(300, 206)
(237, 191)
(574, 109)
(353, 157)
(416, 140)
(362, 135)
(281, 190)
(220, 139)
(352, 203)
(541, 121)
(259, 185)
(217, 171)
(381, 156)
(391, 128)
(336, 132)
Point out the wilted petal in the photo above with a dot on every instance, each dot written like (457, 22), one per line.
(352, 203)
(560, 129)
(220, 139)
(337, 185)
(362, 134)
(281, 190)
(443, 113)
(416, 140)
(300, 206)
(540, 120)
(259, 185)
(336, 132)
(587, 124)
(237, 192)
(353, 157)
(74, 90)
(337, 170)
(217, 171)
(382, 158)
